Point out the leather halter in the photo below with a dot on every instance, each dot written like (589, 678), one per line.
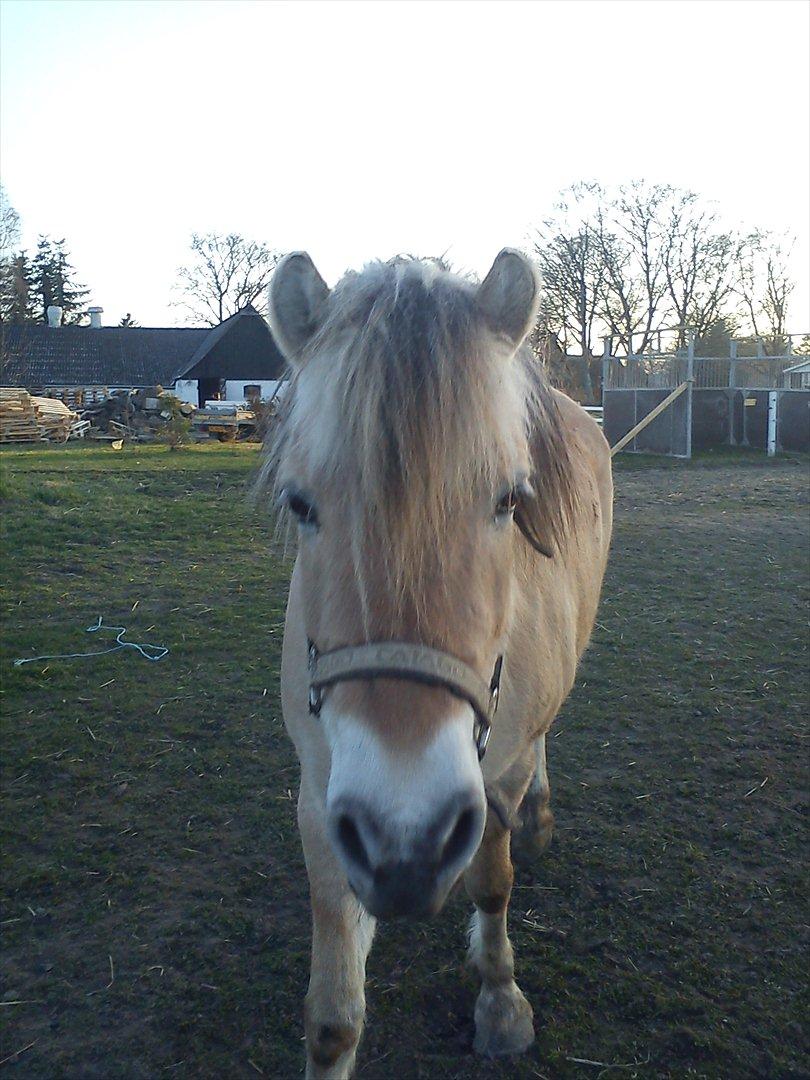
(419, 664)
(415, 663)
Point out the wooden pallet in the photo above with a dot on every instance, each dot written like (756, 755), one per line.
(18, 420)
(78, 397)
(24, 418)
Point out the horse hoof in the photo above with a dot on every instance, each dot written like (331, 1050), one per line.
(503, 1022)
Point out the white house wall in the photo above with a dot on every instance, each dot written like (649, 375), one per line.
(235, 390)
(186, 390)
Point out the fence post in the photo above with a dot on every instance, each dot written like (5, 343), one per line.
(690, 376)
(732, 364)
(607, 344)
(773, 399)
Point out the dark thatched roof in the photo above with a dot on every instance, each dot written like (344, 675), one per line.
(34, 355)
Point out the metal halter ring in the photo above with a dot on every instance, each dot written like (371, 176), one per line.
(416, 663)
(315, 692)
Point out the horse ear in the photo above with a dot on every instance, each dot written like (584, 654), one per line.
(509, 295)
(298, 296)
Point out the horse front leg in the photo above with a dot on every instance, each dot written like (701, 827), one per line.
(536, 819)
(503, 1016)
(342, 932)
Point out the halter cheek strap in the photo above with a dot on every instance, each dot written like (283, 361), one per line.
(414, 663)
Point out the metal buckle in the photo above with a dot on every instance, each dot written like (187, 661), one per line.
(315, 693)
(484, 728)
(495, 686)
(482, 738)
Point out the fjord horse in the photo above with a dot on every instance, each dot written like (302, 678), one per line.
(454, 515)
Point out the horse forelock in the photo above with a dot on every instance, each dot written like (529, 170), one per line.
(402, 402)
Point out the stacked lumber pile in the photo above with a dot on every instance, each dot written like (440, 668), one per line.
(54, 419)
(32, 419)
(18, 421)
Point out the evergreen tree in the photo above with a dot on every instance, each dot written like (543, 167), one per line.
(16, 297)
(716, 340)
(53, 282)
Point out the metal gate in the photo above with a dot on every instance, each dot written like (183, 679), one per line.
(702, 402)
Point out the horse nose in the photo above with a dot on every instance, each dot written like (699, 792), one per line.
(398, 870)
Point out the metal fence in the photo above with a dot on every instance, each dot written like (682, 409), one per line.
(650, 371)
(753, 363)
(661, 402)
(659, 371)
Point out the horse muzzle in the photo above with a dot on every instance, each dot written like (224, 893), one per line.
(406, 873)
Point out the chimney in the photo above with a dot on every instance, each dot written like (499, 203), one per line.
(54, 314)
(95, 317)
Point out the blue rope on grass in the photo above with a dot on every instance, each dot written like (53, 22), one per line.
(147, 651)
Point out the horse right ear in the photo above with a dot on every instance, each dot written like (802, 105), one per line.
(509, 295)
(298, 296)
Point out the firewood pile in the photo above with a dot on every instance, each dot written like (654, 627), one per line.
(24, 418)
(138, 414)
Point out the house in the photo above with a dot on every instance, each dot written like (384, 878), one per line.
(797, 377)
(234, 361)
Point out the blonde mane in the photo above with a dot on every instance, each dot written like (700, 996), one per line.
(423, 414)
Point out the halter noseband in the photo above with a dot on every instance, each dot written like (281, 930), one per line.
(416, 663)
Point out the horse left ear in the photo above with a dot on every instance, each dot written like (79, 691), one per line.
(509, 295)
(298, 297)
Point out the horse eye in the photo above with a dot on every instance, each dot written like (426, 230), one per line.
(301, 507)
(506, 505)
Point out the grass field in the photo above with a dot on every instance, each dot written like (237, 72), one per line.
(154, 905)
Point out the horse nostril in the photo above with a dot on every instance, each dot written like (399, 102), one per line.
(460, 839)
(349, 837)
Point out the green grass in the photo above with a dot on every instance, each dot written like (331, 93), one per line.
(154, 903)
(720, 457)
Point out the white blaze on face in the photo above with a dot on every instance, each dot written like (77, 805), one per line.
(403, 790)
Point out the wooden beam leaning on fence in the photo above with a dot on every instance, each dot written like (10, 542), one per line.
(648, 419)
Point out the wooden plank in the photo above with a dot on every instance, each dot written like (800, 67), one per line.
(648, 419)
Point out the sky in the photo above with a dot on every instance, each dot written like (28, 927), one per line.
(358, 130)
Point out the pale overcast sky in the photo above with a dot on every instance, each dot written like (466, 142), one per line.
(359, 130)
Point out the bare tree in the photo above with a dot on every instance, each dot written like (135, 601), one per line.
(763, 286)
(9, 228)
(630, 261)
(16, 299)
(225, 274)
(566, 250)
(602, 260)
(631, 234)
(699, 259)
(9, 239)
